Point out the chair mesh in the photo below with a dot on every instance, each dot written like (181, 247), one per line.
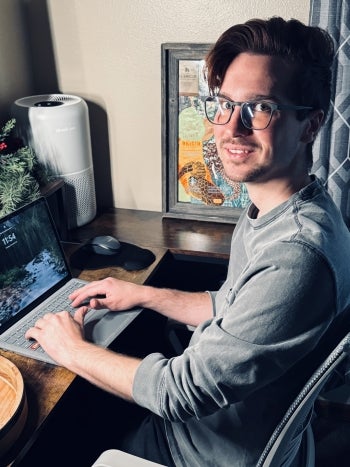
(304, 402)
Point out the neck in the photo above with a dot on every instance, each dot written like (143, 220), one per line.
(268, 195)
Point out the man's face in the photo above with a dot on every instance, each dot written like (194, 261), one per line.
(261, 155)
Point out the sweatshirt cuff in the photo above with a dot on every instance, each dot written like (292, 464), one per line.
(148, 382)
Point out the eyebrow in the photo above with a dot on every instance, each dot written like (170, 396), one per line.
(256, 97)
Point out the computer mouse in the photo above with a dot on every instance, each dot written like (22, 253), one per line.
(103, 245)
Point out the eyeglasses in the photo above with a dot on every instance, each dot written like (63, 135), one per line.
(254, 115)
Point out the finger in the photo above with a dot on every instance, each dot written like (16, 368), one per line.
(80, 314)
(81, 291)
(41, 321)
(77, 298)
(32, 333)
(84, 295)
(98, 302)
(39, 324)
(90, 286)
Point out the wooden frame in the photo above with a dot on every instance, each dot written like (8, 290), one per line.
(194, 183)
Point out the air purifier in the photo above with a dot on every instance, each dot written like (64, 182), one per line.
(57, 127)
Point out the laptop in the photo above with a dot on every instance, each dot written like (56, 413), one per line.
(35, 278)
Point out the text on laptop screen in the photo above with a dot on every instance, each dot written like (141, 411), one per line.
(31, 259)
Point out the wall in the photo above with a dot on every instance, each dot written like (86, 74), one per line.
(15, 73)
(108, 52)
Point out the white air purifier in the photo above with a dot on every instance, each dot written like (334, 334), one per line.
(57, 127)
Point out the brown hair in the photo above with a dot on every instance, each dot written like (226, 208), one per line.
(310, 49)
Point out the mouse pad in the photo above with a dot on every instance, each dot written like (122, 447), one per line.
(129, 257)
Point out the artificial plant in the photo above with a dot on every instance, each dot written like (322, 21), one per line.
(21, 174)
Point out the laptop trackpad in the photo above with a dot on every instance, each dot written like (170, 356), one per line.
(103, 326)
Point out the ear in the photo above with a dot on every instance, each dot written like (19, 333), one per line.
(313, 123)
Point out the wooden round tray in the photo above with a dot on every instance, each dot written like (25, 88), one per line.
(13, 404)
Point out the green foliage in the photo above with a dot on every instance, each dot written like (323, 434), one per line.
(21, 175)
(6, 129)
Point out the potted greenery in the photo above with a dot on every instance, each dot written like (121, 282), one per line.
(21, 175)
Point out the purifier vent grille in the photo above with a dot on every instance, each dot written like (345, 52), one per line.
(61, 98)
(80, 198)
(32, 101)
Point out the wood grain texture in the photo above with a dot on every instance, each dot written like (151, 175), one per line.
(13, 404)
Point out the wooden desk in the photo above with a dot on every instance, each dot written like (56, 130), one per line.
(45, 384)
(149, 229)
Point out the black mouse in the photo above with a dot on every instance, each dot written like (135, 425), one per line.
(94, 255)
(103, 245)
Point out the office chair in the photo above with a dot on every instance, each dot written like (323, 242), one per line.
(284, 442)
(293, 432)
(116, 458)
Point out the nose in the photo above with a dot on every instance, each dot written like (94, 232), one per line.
(235, 125)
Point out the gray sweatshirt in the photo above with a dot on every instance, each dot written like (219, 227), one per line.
(288, 277)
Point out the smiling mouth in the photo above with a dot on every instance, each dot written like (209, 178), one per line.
(239, 151)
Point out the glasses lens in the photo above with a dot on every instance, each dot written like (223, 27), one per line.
(256, 115)
(218, 110)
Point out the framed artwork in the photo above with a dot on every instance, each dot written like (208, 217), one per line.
(194, 183)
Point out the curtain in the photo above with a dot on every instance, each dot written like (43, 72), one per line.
(331, 148)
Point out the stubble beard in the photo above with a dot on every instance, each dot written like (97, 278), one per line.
(241, 171)
(233, 172)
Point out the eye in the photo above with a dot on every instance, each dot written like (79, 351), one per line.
(225, 105)
(261, 106)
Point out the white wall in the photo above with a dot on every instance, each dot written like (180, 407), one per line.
(15, 75)
(108, 52)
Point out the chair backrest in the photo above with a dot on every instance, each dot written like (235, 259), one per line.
(285, 440)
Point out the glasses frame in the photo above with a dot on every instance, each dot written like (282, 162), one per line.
(274, 106)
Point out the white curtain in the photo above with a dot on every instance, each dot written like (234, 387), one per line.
(331, 149)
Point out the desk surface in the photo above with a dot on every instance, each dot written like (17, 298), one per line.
(150, 229)
(45, 384)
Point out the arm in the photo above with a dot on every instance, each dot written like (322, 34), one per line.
(266, 322)
(186, 307)
(61, 336)
(250, 343)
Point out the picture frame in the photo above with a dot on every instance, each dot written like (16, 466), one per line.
(194, 183)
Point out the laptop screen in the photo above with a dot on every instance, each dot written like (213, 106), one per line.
(32, 261)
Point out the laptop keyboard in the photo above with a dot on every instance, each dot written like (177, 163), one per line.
(57, 303)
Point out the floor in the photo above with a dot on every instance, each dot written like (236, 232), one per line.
(332, 423)
(63, 444)
(332, 438)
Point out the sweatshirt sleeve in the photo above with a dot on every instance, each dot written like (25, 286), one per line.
(264, 323)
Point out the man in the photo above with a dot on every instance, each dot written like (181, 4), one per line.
(218, 402)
